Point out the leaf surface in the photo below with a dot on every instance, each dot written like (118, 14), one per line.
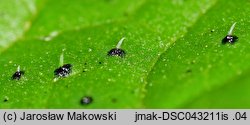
(164, 40)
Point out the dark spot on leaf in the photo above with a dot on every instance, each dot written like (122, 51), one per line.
(5, 100)
(193, 62)
(125, 14)
(229, 39)
(100, 62)
(132, 92)
(189, 71)
(84, 70)
(86, 100)
(63, 71)
(85, 63)
(114, 100)
(17, 75)
(116, 52)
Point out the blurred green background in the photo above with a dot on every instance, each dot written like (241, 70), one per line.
(174, 55)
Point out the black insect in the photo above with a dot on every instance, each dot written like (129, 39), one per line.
(230, 38)
(18, 74)
(117, 51)
(5, 100)
(63, 71)
(86, 100)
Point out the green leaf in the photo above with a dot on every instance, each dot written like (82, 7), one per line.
(61, 16)
(154, 69)
(198, 71)
(14, 19)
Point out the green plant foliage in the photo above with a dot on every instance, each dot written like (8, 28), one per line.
(172, 60)
(14, 19)
(200, 66)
